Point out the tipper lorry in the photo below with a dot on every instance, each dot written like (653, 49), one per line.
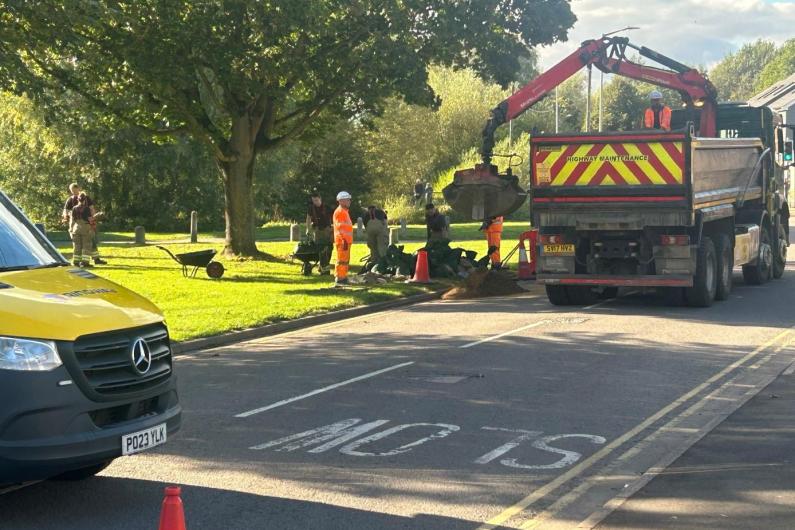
(675, 210)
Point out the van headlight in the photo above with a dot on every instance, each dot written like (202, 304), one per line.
(28, 355)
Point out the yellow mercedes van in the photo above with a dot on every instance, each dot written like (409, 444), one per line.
(86, 371)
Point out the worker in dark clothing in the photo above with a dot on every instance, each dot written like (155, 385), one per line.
(419, 189)
(377, 233)
(318, 224)
(436, 223)
(658, 115)
(90, 249)
(80, 230)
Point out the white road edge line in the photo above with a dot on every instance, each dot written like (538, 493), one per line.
(511, 332)
(320, 390)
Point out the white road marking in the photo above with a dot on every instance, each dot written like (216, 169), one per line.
(569, 457)
(511, 332)
(351, 448)
(320, 390)
(335, 434)
(504, 448)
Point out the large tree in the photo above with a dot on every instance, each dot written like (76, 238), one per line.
(735, 76)
(781, 66)
(246, 76)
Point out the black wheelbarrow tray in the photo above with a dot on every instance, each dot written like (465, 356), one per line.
(197, 260)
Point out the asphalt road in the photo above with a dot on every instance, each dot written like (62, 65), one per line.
(445, 415)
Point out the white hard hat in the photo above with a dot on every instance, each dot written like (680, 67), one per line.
(655, 94)
(343, 195)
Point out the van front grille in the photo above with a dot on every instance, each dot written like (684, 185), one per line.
(107, 359)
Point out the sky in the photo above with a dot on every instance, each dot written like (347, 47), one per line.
(694, 32)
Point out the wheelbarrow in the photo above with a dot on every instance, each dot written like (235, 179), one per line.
(308, 253)
(197, 260)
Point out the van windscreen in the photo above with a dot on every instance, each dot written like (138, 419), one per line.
(22, 246)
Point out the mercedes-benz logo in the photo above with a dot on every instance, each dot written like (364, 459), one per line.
(141, 356)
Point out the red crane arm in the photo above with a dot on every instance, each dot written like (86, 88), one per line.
(608, 54)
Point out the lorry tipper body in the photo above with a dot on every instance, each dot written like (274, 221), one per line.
(657, 209)
(673, 209)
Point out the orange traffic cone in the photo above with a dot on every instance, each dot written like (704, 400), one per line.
(421, 274)
(525, 272)
(172, 516)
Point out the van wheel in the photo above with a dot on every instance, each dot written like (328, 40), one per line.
(557, 295)
(582, 295)
(760, 272)
(780, 252)
(725, 266)
(705, 282)
(83, 473)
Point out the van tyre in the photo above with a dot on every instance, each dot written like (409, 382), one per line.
(558, 295)
(780, 251)
(705, 282)
(761, 271)
(725, 252)
(83, 473)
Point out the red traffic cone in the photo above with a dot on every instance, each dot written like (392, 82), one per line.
(421, 274)
(525, 272)
(172, 516)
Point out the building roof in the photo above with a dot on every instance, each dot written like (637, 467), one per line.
(779, 96)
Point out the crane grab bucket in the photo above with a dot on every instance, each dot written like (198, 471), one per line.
(482, 193)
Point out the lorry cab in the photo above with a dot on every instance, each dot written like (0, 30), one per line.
(86, 368)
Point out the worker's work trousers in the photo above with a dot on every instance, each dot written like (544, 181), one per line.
(82, 241)
(438, 236)
(323, 238)
(377, 239)
(94, 251)
(343, 247)
(493, 239)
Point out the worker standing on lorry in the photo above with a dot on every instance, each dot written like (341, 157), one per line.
(318, 221)
(658, 115)
(343, 237)
(377, 234)
(493, 228)
(80, 230)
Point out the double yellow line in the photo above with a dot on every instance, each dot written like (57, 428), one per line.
(509, 513)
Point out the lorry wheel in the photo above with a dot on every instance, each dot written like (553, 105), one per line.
(760, 272)
(558, 295)
(780, 253)
(582, 295)
(725, 254)
(706, 280)
(83, 473)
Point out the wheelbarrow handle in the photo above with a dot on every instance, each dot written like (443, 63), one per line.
(167, 251)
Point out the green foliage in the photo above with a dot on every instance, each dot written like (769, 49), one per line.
(781, 66)
(736, 75)
(246, 77)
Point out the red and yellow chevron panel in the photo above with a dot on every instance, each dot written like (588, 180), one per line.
(611, 164)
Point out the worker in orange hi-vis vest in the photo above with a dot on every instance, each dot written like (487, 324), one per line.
(493, 228)
(658, 115)
(343, 237)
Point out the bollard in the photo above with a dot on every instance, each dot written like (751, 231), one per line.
(403, 228)
(359, 228)
(194, 227)
(394, 238)
(295, 233)
(140, 235)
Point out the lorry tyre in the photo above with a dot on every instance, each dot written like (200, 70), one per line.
(780, 252)
(760, 272)
(725, 253)
(83, 473)
(558, 295)
(582, 295)
(705, 281)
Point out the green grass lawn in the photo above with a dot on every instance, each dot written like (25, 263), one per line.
(251, 293)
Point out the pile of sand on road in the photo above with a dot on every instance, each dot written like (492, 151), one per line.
(483, 282)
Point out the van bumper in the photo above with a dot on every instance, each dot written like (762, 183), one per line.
(50, 429)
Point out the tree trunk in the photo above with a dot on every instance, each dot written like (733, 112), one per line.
(237, 176)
